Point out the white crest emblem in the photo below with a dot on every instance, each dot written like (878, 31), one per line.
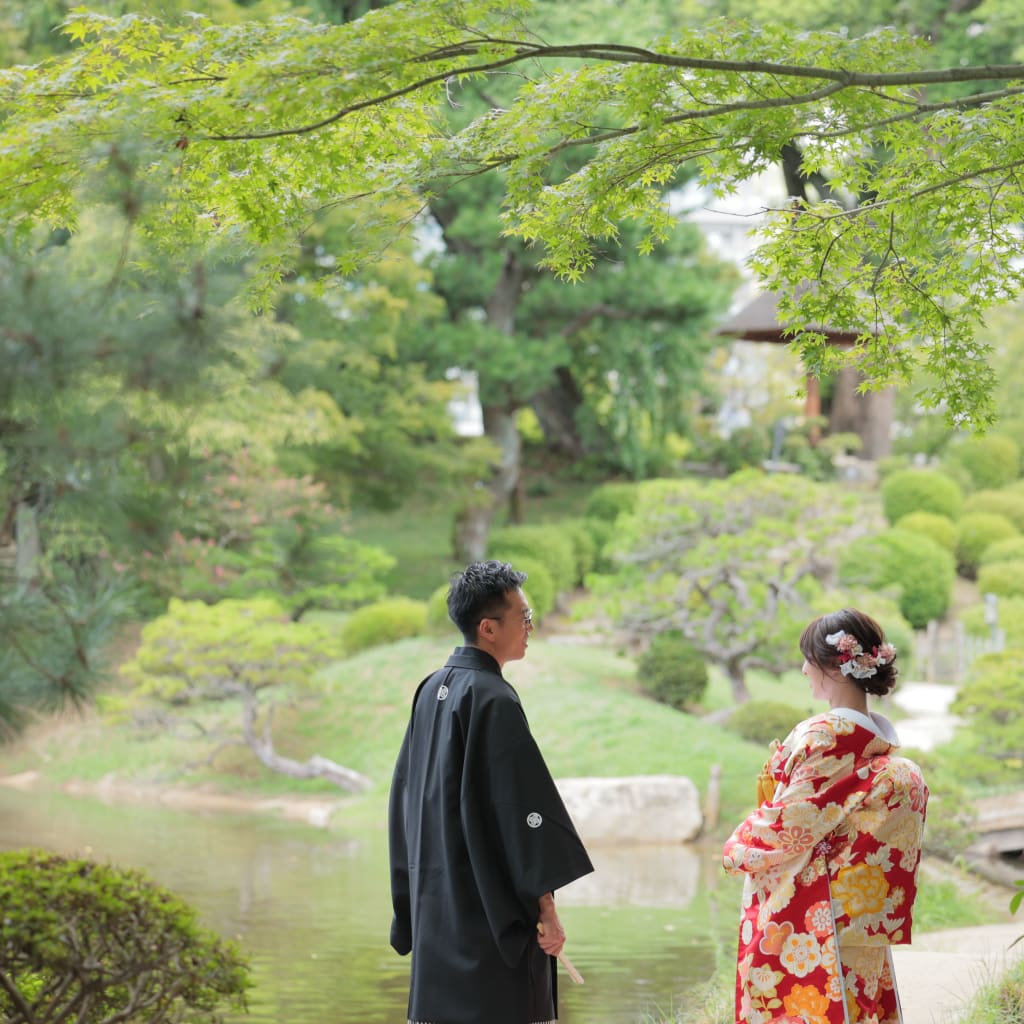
(534, 820)
(443, 692)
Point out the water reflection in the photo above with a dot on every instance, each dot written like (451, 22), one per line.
(311, 908)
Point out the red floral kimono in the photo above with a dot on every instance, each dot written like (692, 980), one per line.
(830, 865)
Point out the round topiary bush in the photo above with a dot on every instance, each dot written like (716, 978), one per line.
(88, 942)
(975, 533)
(1008, 502)
(920, 490)
(1004, 579)
(941, 529)
(1010, 550)
(549, 545)
(539, 588)
(673, 671)
(384, 622)
(602, 531)
(437, 622)
(990, 461)
(609, 501)
(762, 721)
(921, 570)
(584, 545)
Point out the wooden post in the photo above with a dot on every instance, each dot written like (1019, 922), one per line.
(713, 802)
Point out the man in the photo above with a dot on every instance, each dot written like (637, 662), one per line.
(479, 837)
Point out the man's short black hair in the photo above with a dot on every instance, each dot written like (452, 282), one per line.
(480, 591)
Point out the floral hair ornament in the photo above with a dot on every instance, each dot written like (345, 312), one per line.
(854, 660)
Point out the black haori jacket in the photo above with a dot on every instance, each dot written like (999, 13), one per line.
(478, 833)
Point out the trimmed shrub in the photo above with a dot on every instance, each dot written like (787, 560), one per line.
(437, 621)
(601, 530)
(974, 533)
(1004, 579)
(762, 721)
(990, 461)
(384, 622)
(548, 545)
(1008, 502)
(1009, 550)
(941, 529)
(87, 939)
(539, 588)
(672, 671)
(610, 500)
(921, 570)
(584, 545)
(920, 490)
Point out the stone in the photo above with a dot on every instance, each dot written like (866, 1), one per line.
(633, 809)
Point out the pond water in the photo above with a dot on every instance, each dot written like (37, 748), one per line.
(311, 909)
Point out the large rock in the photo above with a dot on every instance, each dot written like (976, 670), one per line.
(634, 809)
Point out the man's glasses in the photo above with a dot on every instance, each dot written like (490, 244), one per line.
(527, 618)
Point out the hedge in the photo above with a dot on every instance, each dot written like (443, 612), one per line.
(975, 533)
(920, 490)
(384, 622)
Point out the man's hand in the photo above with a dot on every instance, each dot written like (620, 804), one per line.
(550, 934)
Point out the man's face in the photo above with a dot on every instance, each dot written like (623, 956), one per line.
(512, 630)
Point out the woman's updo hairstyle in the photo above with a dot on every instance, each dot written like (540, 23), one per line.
(868, 633)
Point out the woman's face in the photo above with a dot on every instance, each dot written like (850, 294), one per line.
(819, 680)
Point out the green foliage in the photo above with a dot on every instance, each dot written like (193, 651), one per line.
(920, 490)
(609, 500)
(437, 621)
(742, 448)
(1004, 579)
(762, 721)
(602, 531)
(384, 622)
(1009, 615)
(539, 587)
(103, 943)
(584, 545)
(550, 545)
(693, 557)
(991, 461)
(1010, 550)
(941, 248)
(974, 533)
(913, 565)
(199, 652)
(52, 636)
(673, 671)
(940, 529)
(1008, 503)
(990, 702)
(253, 531)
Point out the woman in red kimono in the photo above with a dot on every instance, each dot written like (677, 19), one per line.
(830, 857)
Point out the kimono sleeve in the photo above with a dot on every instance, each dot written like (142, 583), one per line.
(520, 838)
(817, 789)
(401, 922)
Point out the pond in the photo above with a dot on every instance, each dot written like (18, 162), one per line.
(312, 910)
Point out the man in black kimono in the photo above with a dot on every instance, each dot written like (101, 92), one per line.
(479, 836)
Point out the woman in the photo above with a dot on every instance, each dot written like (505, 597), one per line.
(830, 857)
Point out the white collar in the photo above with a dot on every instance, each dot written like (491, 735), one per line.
(876, 723)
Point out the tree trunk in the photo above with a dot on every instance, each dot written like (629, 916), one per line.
(473, 523)
(868, 415)
(29, 549)
(556, 408)
(316, 767)
(738, 682)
